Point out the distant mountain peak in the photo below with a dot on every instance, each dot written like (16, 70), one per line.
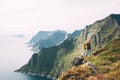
(45, 39)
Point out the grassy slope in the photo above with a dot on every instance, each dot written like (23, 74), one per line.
(107, 62)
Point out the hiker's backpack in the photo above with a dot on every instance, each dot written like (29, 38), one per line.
(87, 45)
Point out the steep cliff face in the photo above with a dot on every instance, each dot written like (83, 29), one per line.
(100, 32)
(51, 61)
(47, 60)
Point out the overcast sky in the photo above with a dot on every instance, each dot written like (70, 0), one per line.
(30, 16)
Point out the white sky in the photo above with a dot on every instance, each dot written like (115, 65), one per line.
(30, 16)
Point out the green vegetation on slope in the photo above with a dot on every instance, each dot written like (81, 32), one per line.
(52, 61)
(106, 61)
(47, 60)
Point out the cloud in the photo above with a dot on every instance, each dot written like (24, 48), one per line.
(15, 36)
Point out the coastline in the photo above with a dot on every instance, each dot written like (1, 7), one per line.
(39, 75)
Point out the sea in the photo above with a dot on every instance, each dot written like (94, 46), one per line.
(14, 53)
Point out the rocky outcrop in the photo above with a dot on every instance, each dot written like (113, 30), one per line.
(117, 35)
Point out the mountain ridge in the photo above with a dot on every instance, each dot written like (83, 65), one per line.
(101, 32)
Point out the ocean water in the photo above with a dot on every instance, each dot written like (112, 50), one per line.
(14, 53)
